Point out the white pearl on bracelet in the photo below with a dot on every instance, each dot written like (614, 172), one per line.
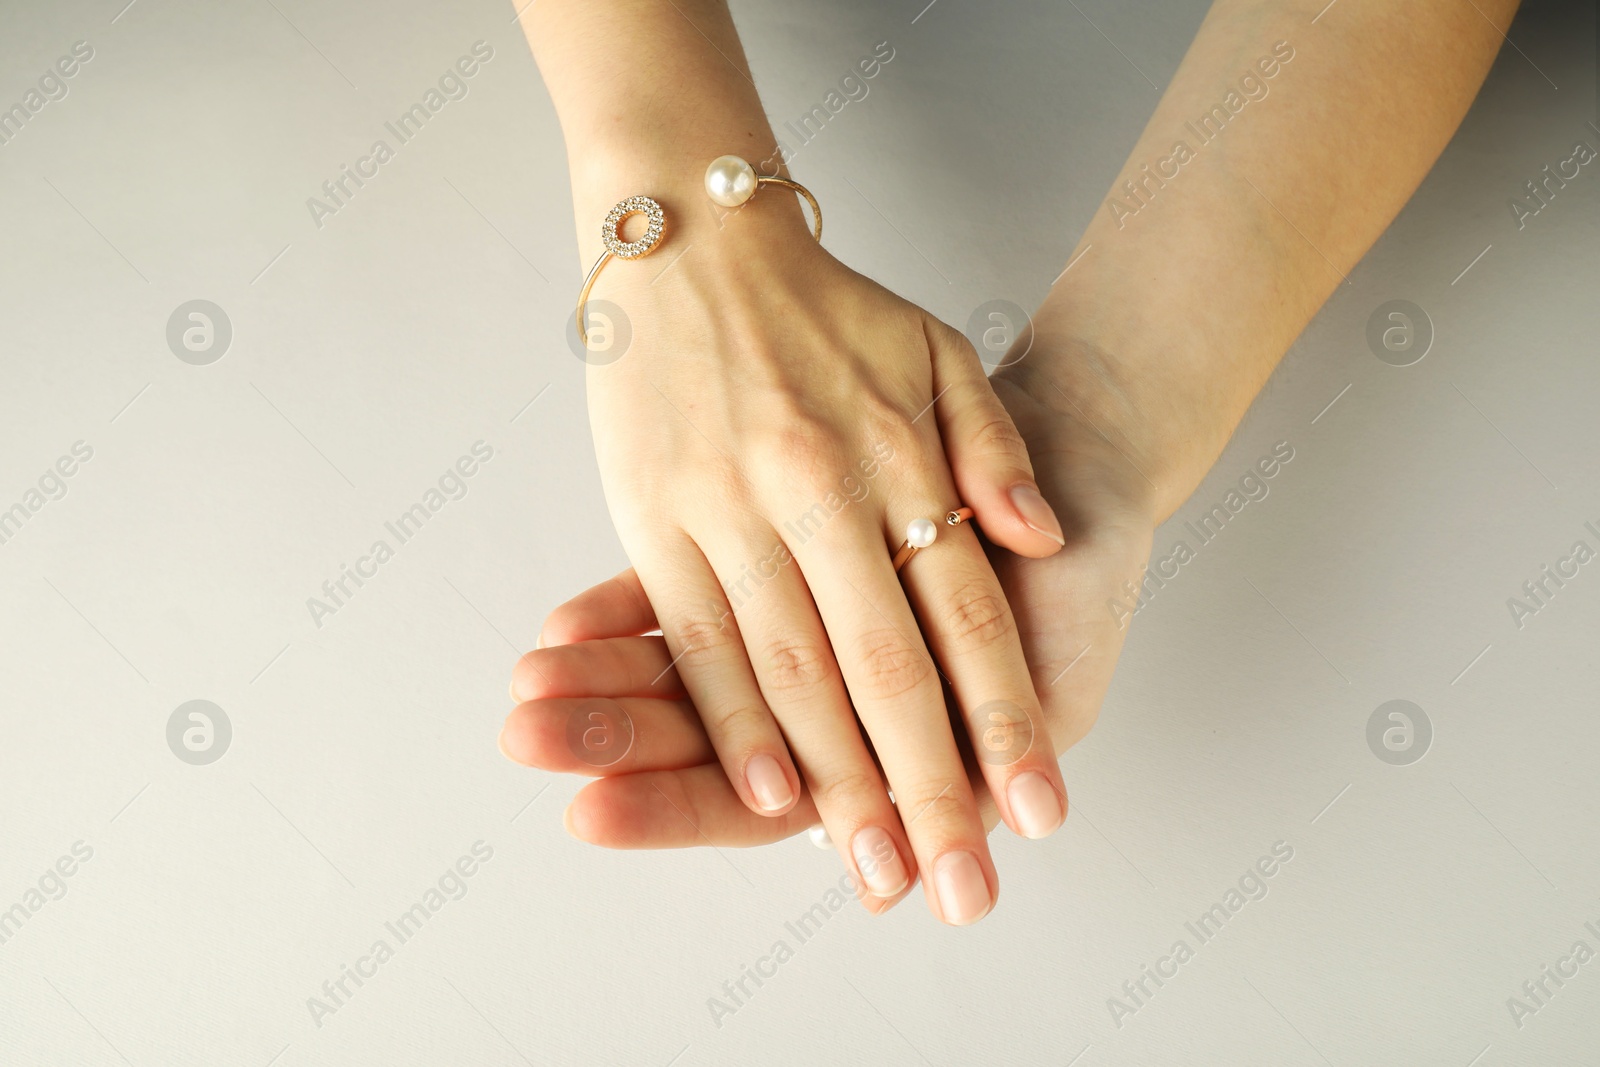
(730, 181)
(921, 532)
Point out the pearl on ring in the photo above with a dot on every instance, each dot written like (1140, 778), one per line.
(730, 181)
(921, 533)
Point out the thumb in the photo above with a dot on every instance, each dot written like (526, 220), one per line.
(986, 453)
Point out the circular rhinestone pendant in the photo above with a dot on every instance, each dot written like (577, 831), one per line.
(656, 225)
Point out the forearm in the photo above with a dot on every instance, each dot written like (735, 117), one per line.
(1196, 278)
(649, 93)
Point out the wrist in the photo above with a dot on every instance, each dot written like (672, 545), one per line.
(675, 178)
(733, 264)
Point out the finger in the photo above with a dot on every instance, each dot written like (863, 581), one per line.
(708, 650)
(974, 636)
(606, 611)
(795, 668)
(895, 688)
(985, 452)
(661, 742)
(617, 607)
(677, 809)
(613, 667)
(601, 736)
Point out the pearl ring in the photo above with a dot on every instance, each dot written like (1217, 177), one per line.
(920, 533)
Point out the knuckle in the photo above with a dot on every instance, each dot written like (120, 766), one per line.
(816, 453)
(884, 417)
(978, 617)
(794, 664)
(893, 431)
(809, 456)
(996, 436)
(930, 804)
(744, 722)
(796, 437)
(702, 637)
(892, 666)
(854, 789)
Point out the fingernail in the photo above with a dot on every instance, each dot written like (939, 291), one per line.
(878, 861)
(963, 891)
(1036, 512)
(768, 783)
(1034, 804)
(538, 642)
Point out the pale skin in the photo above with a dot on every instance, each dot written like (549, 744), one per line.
(766, 385)
(1146, 356)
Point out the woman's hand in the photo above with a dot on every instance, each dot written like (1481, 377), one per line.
(775, 424)
(592, 662)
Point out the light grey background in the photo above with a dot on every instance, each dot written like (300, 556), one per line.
(369, 354)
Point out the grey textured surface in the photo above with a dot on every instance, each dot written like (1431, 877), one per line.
(371, 352)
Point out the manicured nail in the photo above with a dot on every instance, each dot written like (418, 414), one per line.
(1034, 804)
(878, 861)
(538, 642)
(963, 891)
(1036, 512)
(768, 783)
